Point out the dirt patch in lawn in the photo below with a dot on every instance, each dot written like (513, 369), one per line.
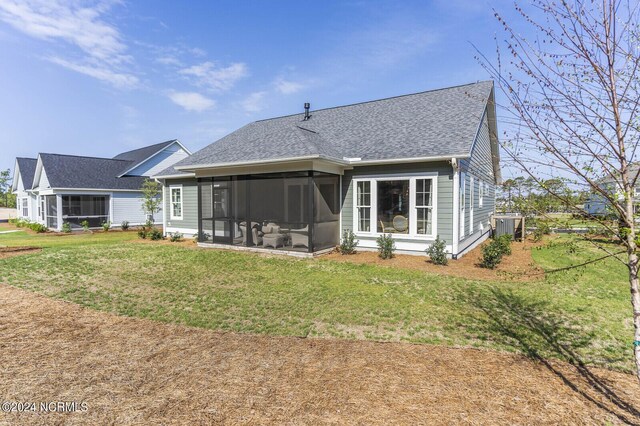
(519, 266)
(132, 371)
(17, 251)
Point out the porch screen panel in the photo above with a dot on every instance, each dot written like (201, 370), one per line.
(326, 227)
(52, 211)
(205, 202)
(94, 209)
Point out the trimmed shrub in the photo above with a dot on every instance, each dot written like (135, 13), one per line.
(491, 255)
(175, 237)
(349, 242)
(155, 234)
(85, 225)
(66, 227)
(124, 225)
(142, 233)
(106, 225)
(386, 246)
(504, 243)
(437, 252)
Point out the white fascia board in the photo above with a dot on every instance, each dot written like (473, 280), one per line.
(345, 162)
(186, 175)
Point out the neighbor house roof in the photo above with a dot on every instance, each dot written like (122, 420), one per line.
(71, 171)
(439, 123)
(27, 168)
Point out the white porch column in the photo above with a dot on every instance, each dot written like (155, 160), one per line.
(59, 211)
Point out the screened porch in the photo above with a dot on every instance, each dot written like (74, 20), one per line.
(293, 211)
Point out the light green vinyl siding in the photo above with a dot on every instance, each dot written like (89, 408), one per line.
(189, 203)
(480, 166)
(444, 185)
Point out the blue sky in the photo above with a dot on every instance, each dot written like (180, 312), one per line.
(101, 77)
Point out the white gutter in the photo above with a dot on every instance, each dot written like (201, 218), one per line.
(185, 175)
(346, 162)
(252, 162)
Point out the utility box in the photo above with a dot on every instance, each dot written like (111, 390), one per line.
(509, 225)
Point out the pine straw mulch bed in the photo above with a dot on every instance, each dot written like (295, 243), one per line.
(519, 266)
(16, 251)
(133, 371)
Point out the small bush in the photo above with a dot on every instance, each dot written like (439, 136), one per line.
(13, 220)
(85, 225)
(106, 226)
(437, 252)
(142, 233)
(124, 225)
(155, 234)
(386, 246)
(175, 237)
(66, 227)
(349, 242)
(491, 255)
(504, 243)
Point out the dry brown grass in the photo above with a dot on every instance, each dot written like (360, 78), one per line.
(132, 371)
(519, 266)
(17, 251)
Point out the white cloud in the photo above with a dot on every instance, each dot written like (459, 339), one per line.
(254, 102)
(208, 74)
(116, 79)
(287, 87)
(81, 26)
(191, 101)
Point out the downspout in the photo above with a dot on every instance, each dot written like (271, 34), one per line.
(456, 208)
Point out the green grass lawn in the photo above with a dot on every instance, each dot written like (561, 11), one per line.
(580, 315)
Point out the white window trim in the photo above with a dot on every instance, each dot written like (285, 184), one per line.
(471, 202)
(463, 203)
(22, 206)
(480, 192)
(413, 224)
(171, 215)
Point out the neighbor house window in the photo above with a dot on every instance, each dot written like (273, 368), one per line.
(176, 202)
(25, 207)
(396, 205)
(480, 193)
(363, 206)
(424, 206)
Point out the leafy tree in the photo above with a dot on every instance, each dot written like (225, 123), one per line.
(572, 95)
(151, 200)
(5, 185)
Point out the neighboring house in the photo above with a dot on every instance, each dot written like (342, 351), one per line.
(26, 201)
(54, 188)
(414, 166)
(597, 205)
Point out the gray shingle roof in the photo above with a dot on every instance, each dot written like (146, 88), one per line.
(70, 171)
(435, 123)
(27, 168)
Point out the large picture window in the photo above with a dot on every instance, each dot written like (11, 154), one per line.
(363, 205)
(396, 205)
(393, 206)
(176, 202)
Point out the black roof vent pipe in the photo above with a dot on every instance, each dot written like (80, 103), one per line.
(307, 116)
